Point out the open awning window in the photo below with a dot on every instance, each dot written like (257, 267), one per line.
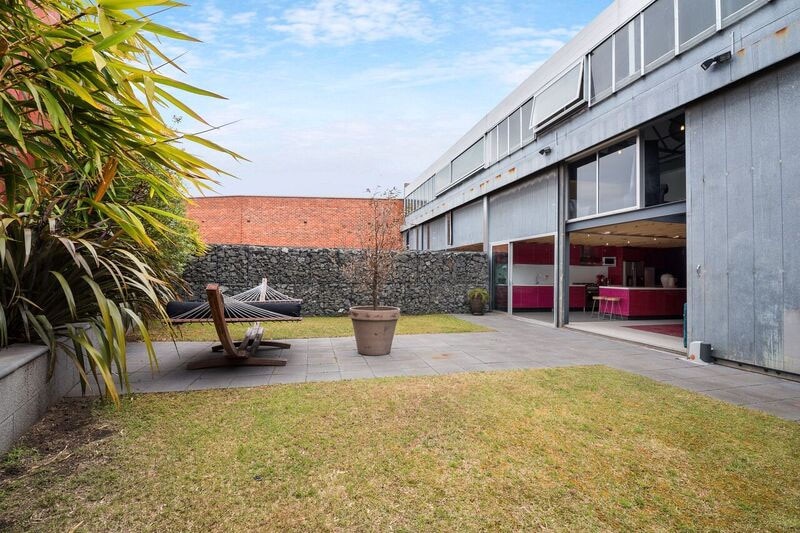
(559, 98)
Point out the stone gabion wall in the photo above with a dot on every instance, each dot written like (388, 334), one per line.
(422, 282)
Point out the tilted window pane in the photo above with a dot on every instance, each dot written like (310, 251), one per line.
(468, 161)
(659, 30)
(583, 188)
(695, 17)
(617, 176)
(729, 7)
(628, 39)
(525, 119)
(502, 138)
(601, 70)
(442, 178)
(513, 130)
(559, 96)
(491, 146)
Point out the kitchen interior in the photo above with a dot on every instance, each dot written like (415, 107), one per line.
(627, 279)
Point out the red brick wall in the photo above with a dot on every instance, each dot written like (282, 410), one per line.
(286, 221)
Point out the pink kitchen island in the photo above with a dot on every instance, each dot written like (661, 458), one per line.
(640, 302)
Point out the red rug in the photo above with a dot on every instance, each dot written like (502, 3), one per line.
(674, 330)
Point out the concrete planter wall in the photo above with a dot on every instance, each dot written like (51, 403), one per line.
(25, 392)
(423, 281)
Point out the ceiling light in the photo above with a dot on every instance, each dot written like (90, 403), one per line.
(683, 127)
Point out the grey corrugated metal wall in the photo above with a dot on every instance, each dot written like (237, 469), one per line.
(743, 171)
(468, 224)
(438, 234)
(525, 210)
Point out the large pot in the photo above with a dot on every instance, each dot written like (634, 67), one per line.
(374, 328)
(476, 306)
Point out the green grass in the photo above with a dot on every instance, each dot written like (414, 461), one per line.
(310, 327)
(561, 449)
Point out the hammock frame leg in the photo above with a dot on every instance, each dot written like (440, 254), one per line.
(220, 362)
(263, 345)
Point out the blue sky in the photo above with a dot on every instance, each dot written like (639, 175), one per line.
(334, 96)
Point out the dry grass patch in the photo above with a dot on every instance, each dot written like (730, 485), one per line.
(316, 327)
(563, 449)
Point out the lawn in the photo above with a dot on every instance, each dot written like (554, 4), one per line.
(310, 327)
(561, 449)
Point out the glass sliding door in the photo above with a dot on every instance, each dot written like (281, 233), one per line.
(500, 277)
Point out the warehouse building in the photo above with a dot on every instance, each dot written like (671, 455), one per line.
(650, 167)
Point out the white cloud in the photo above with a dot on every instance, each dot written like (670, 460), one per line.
(509, 63)
(343, 22)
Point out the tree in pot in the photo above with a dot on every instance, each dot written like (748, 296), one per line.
(478, 298)
(374, 325)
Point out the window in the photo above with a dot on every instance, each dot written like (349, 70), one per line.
(627, 52)
(583, 187)
(664, 154)
(502, 139)
(448, 218)
(559, 97)
(604, 181)
(442, 178)
(735, 9)
(526, 112)
(616, 176)
(514, 134)
(469, 161)
(659, 33)
(602, 70)
(491, 146)
(696, 19)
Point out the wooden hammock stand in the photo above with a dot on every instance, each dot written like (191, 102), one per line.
(236, 353)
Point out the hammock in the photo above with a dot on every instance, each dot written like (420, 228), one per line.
(259, 304)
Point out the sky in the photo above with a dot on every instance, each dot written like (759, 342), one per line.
(331, 97)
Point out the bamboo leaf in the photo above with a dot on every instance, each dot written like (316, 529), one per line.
(136, 4)
(125, 33)
(11, 120)
(164, 31)
(82, 54)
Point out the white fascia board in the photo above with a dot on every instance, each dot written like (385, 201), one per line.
(594, 33)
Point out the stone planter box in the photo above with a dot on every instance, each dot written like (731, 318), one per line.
(25, 392)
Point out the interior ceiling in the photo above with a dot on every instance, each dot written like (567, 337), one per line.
(641, 234)
(541, 240)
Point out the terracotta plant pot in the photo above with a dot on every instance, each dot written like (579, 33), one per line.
(374, 328)
(476, 306)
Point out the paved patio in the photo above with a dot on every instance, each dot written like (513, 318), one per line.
(514, 344)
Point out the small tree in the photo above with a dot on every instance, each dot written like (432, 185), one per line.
(380, 238)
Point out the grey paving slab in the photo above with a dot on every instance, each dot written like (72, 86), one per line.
(514, 344)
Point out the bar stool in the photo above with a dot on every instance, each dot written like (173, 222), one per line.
(613, 305)
(597, 302)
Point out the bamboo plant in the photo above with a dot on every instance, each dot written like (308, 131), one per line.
(87, 163)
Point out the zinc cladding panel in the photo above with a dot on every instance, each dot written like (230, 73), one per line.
(468, 224)
(438, 234)
(744, 196)
(525, 210)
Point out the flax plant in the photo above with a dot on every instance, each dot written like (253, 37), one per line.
(87, 164)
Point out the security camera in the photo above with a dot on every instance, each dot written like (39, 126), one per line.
(545, 151)
(710, 62)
